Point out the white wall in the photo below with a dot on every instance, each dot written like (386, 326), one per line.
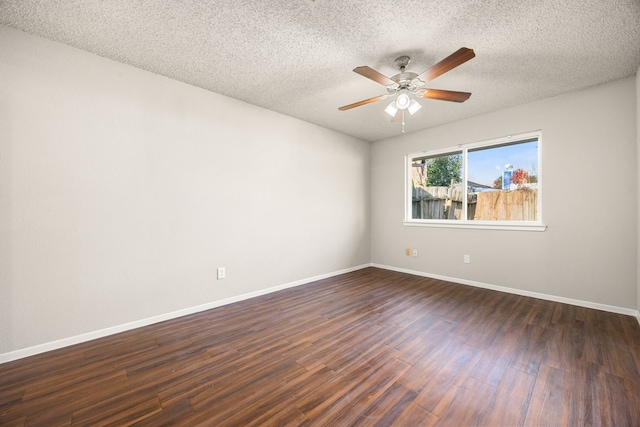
(121, 192)
(588, 252)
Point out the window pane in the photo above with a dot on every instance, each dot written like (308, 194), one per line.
(503, 182)
(436, 187)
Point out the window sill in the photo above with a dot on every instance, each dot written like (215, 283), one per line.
(479, 225)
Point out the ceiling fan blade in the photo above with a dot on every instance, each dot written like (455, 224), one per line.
(397, 117)
(459, 57)
(444, 95)
(364, 102)
(372, 74)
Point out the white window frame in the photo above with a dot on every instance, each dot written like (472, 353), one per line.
(474, 224)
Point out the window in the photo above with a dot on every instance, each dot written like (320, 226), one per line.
(493, 184)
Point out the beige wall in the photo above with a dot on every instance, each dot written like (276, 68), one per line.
(121, 192)
(588, 155)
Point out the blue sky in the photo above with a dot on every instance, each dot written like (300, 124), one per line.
(485, 165)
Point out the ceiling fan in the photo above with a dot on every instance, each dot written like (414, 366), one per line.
(407, 83)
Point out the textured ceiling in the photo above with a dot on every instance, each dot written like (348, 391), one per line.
(296, 56)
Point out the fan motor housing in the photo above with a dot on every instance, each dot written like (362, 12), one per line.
(403, 79)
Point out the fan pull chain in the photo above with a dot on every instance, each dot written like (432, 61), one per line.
(402, 121)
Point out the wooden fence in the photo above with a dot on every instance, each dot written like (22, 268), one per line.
(500, 205)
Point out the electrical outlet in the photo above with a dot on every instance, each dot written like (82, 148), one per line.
(467, 259)
(415, 252)
(408, 251)
(221, 273)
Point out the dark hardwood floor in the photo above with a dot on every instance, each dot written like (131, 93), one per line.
(371, 348)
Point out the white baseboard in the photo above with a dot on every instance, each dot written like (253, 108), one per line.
(580, 303)
(65, 342)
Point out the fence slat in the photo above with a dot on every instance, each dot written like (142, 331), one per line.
(503, 205)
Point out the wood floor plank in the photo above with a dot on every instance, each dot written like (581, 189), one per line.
(370, 347)
(17, 375)
(186, 383)
(515, 387)
(10, 397)
(445, 383)
(530, 349)
(496, 359)
(125, 408)
(428, 343)
(624, 394)
(280, 405)
(549, 403)
(560, 350)
(335, 395)
(175, 413)
(385, 410)
(290, 417)
(274, 401)
(50, 419)
(62, 402)
(18, 422)
(469, 406)
(361, 396)
(414, 415)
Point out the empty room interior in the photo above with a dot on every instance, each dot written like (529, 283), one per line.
(317, 212)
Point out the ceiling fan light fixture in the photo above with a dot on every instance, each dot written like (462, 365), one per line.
(414, 107)
(403, 100)
(406, 85)
(391, 109)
